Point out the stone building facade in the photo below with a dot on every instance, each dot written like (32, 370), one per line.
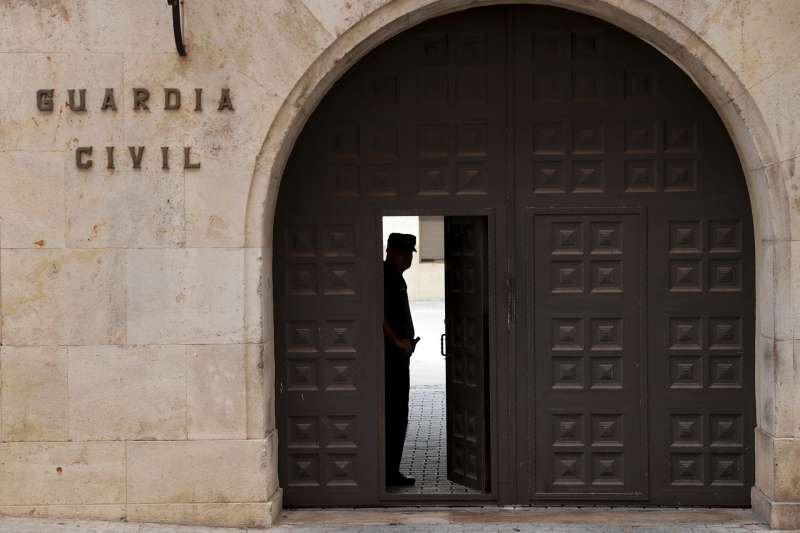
(137, 356)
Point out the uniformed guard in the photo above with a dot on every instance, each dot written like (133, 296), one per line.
(399, 344)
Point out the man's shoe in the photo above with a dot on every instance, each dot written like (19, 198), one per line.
(399, 480)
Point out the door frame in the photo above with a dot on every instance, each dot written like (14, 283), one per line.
(498, 349)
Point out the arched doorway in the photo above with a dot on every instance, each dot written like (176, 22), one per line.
(620, 263)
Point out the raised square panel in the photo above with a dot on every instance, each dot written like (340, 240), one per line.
(551, 86)
(345, 181)
(679, 136)
(724, 236)
(567, 372)
(685, 237)
(568, 430)
(338, 240)
(587, 86)
(640, 83)
(726, 430)
(606, 238)
(608, 469)
(471, 86)
(303, 432)
(640, 137)
(338, 279)
(433, 86)
(548, 177)
(725, 333)
(567, 334)
(567, 238)
(301, 336)
(607, 430)
(587, 176)
(685, 373)
(433, 180)
(472, 426)
(606, 277)
(725, 275)
(641, 175)
(301, 279)
(606, 372)
(339, 335)
(566, 277)
(725, 372)
(472, 140)
(569, 469)
(685, 276)
(344, 140)
(340, 374)
(687, 469)
(433, 140)
(302, 240)
(680, 175)
(381, 180)
(470, 48)
(551, 46)
(587, 138)
(434, 49)
(686, 430)
(549, 138)
(685, 333)
(381, 140)
(301, 375)
(471, 179)
(587, 45)
(726, 469)
(606, 334)
(303, 470)
(341, 470)
(340, 431)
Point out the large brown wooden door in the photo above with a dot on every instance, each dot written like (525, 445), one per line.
(536, 117)
(466, 250)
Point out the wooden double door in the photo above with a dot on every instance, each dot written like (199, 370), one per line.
(619, 269)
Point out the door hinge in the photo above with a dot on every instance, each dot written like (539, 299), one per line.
(280, 387)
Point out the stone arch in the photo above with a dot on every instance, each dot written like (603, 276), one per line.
(716, 80)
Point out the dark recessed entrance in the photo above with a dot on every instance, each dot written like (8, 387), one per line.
(619, 265)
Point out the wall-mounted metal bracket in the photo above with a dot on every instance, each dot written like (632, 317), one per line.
(177, 24)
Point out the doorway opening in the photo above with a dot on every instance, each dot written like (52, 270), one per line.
(445, 449)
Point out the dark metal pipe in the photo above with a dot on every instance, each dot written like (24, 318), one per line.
(177, 26)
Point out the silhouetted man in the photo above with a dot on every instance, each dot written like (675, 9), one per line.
(399, 343)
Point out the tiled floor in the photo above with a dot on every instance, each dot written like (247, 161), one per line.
(425, 451)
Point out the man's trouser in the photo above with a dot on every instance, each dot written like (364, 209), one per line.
(397, 385)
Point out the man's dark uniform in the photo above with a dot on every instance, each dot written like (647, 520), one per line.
(397, 313)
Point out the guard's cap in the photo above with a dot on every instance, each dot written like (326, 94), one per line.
(402, 241)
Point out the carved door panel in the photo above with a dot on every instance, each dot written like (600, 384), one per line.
(467, 350)
(587, 322)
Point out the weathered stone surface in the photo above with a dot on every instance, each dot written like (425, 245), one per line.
(33, 473)
(34, 394)
(52, 297)
(127, 393)
(260, 398)
(197, 471)
(216, 392)
(111, 512)
(205, 514)
(32, 203)
(191, 296)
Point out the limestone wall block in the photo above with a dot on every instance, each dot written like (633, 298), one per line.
(34, 473)
(794, 275)
(255, 288)
(189, 296)
(216, 392)
(24, 127)
(32, 200)
(120, 26)
(63, 297)
(126, 207)
(127, 393)
(33, 386)
(34, 26)
(249, 515)
(260, 390)
(337, 16)
(787, 473)
(765, 466)
(216, 202)
(111, 512)
(209, 471)
(271, 463)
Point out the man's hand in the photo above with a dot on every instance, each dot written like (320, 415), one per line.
(404, 344)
